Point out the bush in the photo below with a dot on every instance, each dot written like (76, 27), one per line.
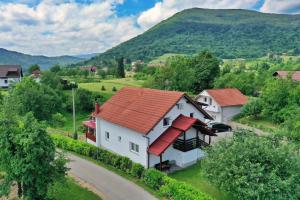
(177, 190)
(114, 89)
(252, 108)
(153, 178)
(58, 120)
(137, 170)
(103, 88)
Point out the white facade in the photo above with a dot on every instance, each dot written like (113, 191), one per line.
(122, 140)
(5, 82)
(217, 112)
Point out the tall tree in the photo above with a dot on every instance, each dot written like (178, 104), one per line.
(33, 68)
(206, 70)
(27, 155)
(120, 68)
(55, 68)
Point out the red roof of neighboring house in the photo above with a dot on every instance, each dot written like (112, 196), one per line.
(140, 109)
(179, 125)
(228, 97)
(90, 123)
(284, 74)
(10, 70)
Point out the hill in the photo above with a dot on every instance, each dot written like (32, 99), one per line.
(227, 33)
(12, 57)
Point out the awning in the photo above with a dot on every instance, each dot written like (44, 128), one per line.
(164, 141)
(90, 124)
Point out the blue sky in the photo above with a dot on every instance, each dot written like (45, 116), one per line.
(70, 27)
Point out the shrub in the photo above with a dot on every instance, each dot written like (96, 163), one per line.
(103, 88)
(137, 170)
(58, 120)
(177, 190)
(114, 89)
(153, 178)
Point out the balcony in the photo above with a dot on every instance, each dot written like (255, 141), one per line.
(190, 144)
(91, 136)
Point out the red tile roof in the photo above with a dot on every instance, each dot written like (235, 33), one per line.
(90, 123)
(284, 74)
(139, 109)
(228, 97)
(164, 141)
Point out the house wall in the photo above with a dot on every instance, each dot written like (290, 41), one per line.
(217, 116)
(9, 80)
(229, 112)
(122, 147)
(173, 114)
(213, 107)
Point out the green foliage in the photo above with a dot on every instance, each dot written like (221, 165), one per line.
(28, 156)
(191, 74)
(226, 33)
(253, 167)
(33, 68)
(114, 89)
(120, 68)
(84, 100)
(151, 177)
(58, 120)
(40, 99)
(252, 108)
(103, 88)
(55, 68)
(52, 80)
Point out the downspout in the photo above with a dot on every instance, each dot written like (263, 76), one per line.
(148, 155)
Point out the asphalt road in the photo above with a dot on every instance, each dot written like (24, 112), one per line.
(110, 185)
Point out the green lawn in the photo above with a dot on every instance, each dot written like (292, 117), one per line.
(70, 190)
(260, 123)
(194, 176)
(109, 84)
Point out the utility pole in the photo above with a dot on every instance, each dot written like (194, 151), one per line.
(74, 115)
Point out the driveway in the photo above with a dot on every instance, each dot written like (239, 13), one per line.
(109, 185)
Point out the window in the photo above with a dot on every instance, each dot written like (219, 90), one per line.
(119, 138)
(210, 101)
(134, 147)
(5, 81)
(205, 99)
(191, 114)
(107, 135)
(166, 121)
(180, 106)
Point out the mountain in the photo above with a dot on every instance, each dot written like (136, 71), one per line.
(86, 56)
(12, 57)
(228, 33)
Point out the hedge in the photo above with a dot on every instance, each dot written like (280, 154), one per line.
(158, 181)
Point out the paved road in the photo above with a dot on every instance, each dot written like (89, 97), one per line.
(110, 185)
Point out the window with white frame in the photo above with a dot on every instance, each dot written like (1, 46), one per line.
(107, 135)
(5, 81)
(191, 114)
(210, 101)
(119, 138)
(166, 121)
(205, 99)
(134, 147)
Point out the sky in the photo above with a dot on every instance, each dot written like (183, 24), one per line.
(73, 27)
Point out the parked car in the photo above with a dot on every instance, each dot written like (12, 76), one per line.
(219, 127)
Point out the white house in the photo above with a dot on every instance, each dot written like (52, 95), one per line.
(10, 74)
(151, 127)
(222, 104)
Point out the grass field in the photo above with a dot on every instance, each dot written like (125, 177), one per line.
(260, 123)
(71, 190)
(109, 84)
(194, 176)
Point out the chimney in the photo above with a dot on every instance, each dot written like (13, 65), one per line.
(97, 108)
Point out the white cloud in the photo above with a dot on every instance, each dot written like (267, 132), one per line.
(50, 28)
(166, 8)
(281, 6)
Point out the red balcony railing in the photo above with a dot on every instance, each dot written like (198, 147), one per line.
(90, 136)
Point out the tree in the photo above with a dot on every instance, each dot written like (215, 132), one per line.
(52, 80)
(33, 68)
(252, 108)
(55, 68)
(40, 99)
(254, 167)
(207, 69)
(27, 155)
(84, 100)
(120, 68)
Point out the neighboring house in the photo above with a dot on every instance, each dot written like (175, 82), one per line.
(150, 127)
(10, 74)
(295, 75)
(222, 104)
